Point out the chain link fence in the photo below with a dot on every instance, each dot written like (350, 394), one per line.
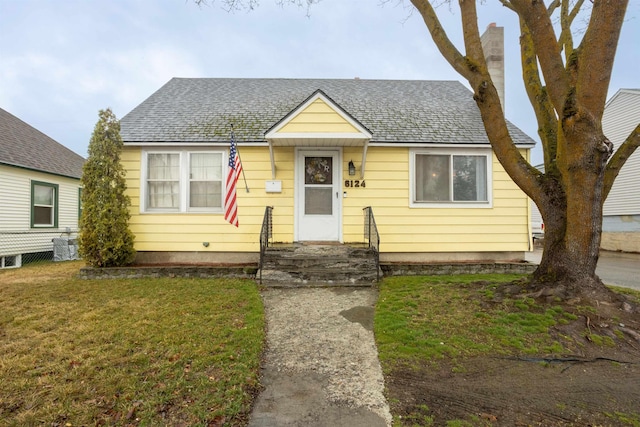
(18, 248)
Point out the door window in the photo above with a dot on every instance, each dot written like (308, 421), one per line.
(318, 182)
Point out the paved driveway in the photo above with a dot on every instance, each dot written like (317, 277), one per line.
(614, 268)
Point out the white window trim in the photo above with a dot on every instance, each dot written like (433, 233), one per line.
(183, 205)
(486, 152)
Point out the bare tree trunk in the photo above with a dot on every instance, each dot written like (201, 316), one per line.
(572, 211)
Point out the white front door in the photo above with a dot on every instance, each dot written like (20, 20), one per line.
(318, 197)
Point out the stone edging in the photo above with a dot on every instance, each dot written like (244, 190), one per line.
(250, 271)
(135, 272)
(398, 269)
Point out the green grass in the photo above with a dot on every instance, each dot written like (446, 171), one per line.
(622, 419)
(120, 352)
(433, 318)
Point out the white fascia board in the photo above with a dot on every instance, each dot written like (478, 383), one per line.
(437, 145)
(178, 144)
(273, 133)
(318, 135)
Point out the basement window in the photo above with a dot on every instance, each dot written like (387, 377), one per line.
(10, 261)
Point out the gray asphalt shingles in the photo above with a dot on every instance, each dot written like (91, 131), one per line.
(203, 109)
(25, 146)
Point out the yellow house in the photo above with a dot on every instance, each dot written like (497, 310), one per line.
(319, 151)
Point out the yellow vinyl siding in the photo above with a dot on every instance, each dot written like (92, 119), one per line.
(188, 231)
(318, 117)
(503, 227)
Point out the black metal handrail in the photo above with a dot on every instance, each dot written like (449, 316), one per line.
(266, 234)
(372, 236)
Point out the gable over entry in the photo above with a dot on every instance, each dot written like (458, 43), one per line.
(318, 122)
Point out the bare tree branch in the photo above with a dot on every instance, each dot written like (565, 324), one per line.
(446, 48)
(537, 19)
(597, 52)
(538, 97)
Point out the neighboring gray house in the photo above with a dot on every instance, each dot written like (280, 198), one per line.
(621, 225)
(40, 195)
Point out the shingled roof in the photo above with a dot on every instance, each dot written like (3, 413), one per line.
(394, 111)
(24, 146)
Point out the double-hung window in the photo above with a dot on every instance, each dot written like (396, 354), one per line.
(442, 178)
(205, 180)
(163, 181)
(183, 181)
(44, 204)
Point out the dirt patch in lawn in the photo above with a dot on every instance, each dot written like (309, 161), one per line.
(596, 384)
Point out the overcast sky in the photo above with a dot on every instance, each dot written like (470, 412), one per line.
(61, 61)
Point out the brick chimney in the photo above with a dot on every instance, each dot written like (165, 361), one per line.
(493, 47)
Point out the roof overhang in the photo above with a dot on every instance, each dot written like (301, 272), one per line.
(318, 140)
(317, 122)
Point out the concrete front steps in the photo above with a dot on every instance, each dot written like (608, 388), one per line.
(318, 265)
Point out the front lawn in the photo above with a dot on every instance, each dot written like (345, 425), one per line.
(126, 352)
(471, 351)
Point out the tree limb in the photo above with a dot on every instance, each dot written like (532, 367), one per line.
(538, 97)
(596, 54)
(439, 36)
(488, 101)
(538, 21)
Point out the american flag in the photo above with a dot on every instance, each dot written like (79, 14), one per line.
(235, 168)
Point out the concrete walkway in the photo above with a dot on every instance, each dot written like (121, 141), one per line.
(321, 365)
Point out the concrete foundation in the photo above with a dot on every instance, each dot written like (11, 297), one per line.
(449, 257)
(621, 241)
(197, 258)
(231, 258)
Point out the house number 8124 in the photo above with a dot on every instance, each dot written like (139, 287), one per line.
(354, 183)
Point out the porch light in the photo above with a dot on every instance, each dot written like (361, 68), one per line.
(352, 168)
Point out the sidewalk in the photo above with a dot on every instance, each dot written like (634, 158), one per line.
(321, 365)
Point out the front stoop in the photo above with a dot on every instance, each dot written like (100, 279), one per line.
(318, 265)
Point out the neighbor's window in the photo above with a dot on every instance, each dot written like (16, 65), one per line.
(44, 204)
(441, 178)
(183, 181)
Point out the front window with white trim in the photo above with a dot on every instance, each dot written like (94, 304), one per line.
(183, 181)
(441, 178)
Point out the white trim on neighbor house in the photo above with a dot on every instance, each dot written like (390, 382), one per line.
(17, 235)
(480, 204)
(183, 180)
